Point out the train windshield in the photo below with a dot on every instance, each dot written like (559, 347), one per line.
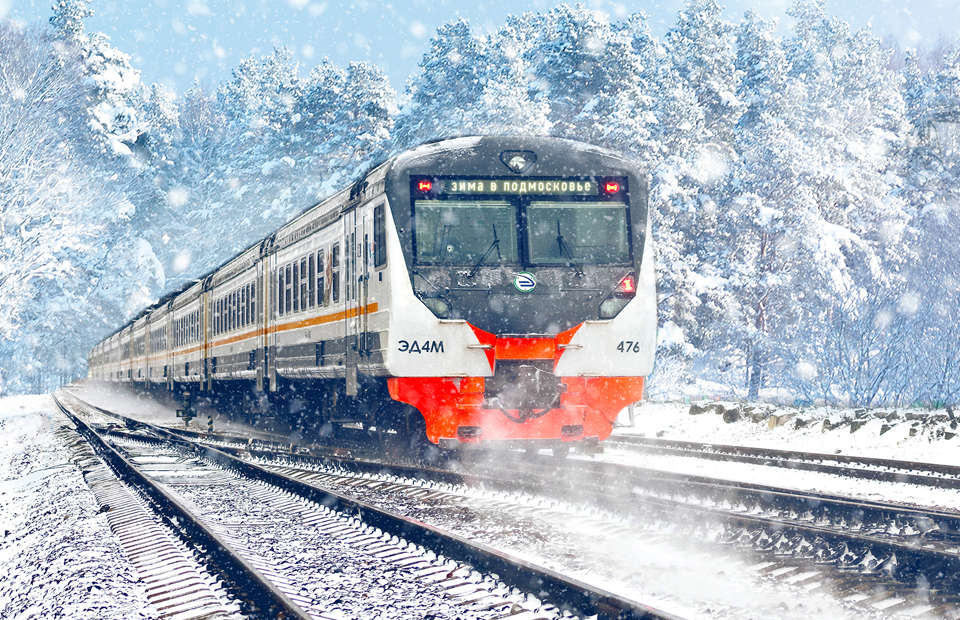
(582, 232)
(465, 231)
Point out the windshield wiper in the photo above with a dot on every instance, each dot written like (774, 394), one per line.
(566, 252)
(495, 244)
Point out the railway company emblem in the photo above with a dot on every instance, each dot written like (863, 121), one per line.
(525, 282)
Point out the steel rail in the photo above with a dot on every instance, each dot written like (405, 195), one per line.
(565, 593)
(900, 556)
(934, 554)
(925, 474)
(260, 597)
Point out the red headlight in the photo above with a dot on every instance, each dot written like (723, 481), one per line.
(611, 187)
(425, 186)
(627, 286)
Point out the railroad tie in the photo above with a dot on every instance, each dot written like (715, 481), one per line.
(175, 585)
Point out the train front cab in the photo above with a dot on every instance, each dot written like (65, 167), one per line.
(525, 317)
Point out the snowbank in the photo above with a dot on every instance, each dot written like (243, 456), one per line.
(58, 557)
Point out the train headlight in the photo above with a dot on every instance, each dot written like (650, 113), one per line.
(612, 306)
(625, 290)
(438, 306)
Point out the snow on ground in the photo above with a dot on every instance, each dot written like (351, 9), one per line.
(668, 420)
(671, 420)
(58, 557)
(847, 431)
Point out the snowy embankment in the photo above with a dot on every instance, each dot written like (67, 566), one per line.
(915, 435)
(912, 435)
(58, 557)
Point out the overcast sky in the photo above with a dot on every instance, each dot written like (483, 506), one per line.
(175, 41)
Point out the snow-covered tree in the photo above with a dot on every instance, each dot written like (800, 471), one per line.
(445, 98)
(67, 20)
(64, 220)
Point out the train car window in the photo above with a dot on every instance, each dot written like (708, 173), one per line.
(335, 262)
(321, 292)
(379, 236)
(296, 287)
(304, 285)
(313, 280)
(464, 231)
(288, 291)
(253, 302)
(279, 304)
(583, 232)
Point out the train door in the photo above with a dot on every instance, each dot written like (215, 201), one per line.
(351, 229)
(363, 282)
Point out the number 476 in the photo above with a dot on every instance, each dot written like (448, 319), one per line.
(629, 346)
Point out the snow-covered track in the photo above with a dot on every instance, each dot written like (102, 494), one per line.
(256, 595)
(372, 524)
(831, 550)
(868, 468)
(905, 547)
(176, 583)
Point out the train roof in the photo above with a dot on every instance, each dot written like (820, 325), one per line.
(319, 214)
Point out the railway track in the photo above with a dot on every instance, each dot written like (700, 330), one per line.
(394, 537)
(883, 553)
(886, 547)
(866, 468)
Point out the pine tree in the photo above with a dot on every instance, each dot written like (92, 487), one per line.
(446, 97)
(67, 20)
(851, 118)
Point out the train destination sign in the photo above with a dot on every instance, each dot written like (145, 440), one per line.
(564, 187)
